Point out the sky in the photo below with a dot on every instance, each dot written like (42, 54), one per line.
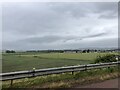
(59, 25)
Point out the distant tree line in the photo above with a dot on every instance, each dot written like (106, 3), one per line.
(47, 51)
(72, 51)
(68, 50)
(10, 51)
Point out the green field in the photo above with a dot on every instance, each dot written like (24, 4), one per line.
(28, 61)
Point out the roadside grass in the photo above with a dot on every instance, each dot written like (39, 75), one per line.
(65, 80)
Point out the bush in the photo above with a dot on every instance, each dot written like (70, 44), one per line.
(106, 58)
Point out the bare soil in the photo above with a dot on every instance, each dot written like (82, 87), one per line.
(113, 83)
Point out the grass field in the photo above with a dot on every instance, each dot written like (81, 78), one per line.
(28, 61)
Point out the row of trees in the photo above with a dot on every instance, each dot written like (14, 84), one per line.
(10, 51)
(64, 51)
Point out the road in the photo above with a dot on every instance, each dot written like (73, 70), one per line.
(105, 84)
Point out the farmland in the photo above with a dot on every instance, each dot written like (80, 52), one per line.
(28, 61)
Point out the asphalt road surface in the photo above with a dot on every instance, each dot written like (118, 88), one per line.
(105, 84)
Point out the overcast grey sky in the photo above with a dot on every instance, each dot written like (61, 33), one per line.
(66, 25)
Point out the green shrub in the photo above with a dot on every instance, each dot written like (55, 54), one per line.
(106, 58)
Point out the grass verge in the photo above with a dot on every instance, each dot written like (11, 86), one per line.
(65, 80)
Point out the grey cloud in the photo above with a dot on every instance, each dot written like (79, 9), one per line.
(44, 39)
(107, 10)
(106, 7)
(75, 10)
(32, 21)
(54, 38)
(108, 16)
(50, 18)
(41, 25)
(106, 43)
(48, 39)
(95, 35)
(86, 37)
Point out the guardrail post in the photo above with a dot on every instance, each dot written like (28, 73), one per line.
(85, 67)
(100, 67)
(108, 67)
(33, 73)
(72, 72)
(11, 83)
